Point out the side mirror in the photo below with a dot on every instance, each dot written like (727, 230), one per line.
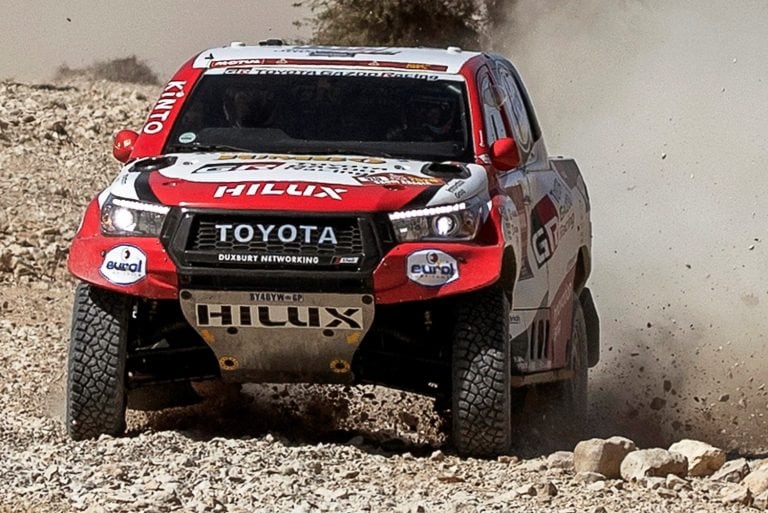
(504, 154)
(123, 146)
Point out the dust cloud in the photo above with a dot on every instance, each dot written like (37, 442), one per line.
(665, 107)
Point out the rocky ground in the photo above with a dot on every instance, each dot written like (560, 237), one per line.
(299, 449)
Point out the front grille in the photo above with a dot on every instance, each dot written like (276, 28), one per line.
(205, 236)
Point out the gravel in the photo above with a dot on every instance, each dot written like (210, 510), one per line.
(274, 448)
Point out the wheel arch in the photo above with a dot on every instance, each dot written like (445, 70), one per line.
(584, 295)
(509, 267)
(583, 269)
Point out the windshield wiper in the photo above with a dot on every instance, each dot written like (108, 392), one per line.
(196, 146)
(349, 151)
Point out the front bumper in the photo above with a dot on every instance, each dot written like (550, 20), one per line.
(382, 271)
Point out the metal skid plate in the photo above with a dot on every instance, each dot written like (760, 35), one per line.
(280, 337)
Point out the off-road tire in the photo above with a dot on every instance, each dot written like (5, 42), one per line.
(96, 397)
(480, 368)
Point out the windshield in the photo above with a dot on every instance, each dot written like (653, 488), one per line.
(377, 115)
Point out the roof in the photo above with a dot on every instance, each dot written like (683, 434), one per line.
(448, 60)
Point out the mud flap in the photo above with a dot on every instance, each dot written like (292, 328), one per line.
(593, 327)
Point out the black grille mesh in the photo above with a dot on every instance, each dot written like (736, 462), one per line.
(205, 237)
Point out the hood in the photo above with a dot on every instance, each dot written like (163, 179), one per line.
(322, 183)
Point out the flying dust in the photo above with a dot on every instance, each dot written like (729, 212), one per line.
(665, 107)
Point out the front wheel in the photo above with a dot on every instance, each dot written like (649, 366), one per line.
(480, 367)
(96, 397)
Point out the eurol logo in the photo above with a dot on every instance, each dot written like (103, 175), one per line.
(432, 268)
(124, 265)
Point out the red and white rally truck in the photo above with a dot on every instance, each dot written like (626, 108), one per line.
(338, 215)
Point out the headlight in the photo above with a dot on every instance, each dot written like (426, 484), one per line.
(128, 217)
(460, 221)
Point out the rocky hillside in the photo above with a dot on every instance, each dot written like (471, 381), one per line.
(296, 449)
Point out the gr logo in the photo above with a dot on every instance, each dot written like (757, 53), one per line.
(279, 316)
(544, 221)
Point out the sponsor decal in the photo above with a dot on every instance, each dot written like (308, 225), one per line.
(277, 297)
(562, 197)
(457, 189)
(187, 137)
(334, 73)
(286, 233)
(327, 167)
(544, 239)
(310, 158)
(432, 268)
(171, 94)
(230, 63)
(124, 265)
(350, 51)
(399, 179)
(274, 189)
(245, 166)
(238, 71)
(247, 258)
(517, 195)
(562, 311)
(278, 316)
(566, 226)
(344, 169)
(342, 260)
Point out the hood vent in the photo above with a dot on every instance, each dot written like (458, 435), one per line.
(152, 164)
(446, 170)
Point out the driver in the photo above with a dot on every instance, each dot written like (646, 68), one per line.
(247, 109)
(434, 125)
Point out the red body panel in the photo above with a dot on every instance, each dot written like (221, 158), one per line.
(87, 254)
(279, 195)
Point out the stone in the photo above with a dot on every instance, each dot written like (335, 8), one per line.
(437, 455)
(560, 459)
(703, 458)
(598, 486)
(653, 483)
(588, 477)
(761, 501)
(526, 489)
(602, 456)
(546, 489)
(667, 493)
(736, 494)
(732, 471)
(653, 463)
(757, 481)
(676, 483)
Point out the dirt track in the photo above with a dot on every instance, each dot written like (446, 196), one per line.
(300, 449)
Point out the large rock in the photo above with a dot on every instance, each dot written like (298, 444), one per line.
(733, 471)
(736, 494)
(560, 459)
(653, 463)
(761, 501)
(703, 459)
(602, 456)
(757, 481)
